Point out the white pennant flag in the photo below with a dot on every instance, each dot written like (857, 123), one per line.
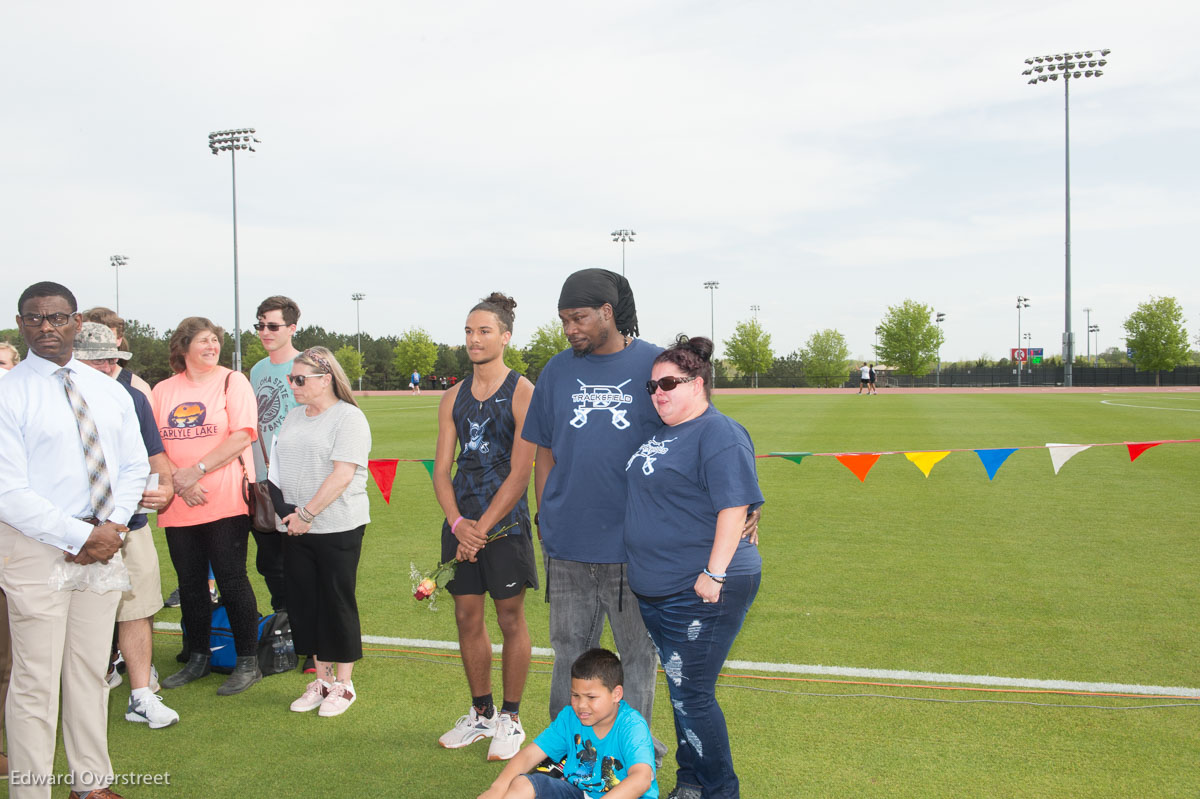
(1061, 453)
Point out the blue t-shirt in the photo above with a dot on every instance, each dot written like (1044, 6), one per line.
(275, 400)
(594, 764)
(679, 481)
(591, 412)
(150, 438)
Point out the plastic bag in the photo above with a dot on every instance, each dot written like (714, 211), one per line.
(97, 577)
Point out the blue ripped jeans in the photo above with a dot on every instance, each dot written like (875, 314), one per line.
(693, 640)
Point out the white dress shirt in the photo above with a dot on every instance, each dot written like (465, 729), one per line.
(44, 488)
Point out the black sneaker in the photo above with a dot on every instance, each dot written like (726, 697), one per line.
(310, 665)
(173, 600)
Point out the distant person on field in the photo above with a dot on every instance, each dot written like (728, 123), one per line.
(96, 346)
(606, 744)
(277, 318)
(872, 379)
(482, 416)
(116, 324)
(864, 380)
(414, 382)
(319, 488)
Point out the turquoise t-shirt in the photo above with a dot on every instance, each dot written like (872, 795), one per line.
(275, 399)
(594, 764)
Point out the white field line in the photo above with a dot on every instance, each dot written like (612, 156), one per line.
(1150, 407)
(842, 671)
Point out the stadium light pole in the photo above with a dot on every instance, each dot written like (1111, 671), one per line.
(118, 261)
(754, 309)
(358, 297)
(1096, 330)
(1068, 66)
(878, 330)
(1088, 311)
(623, 236)
(218, 142)
(1022, 302)
(712, 286)
(941, 317)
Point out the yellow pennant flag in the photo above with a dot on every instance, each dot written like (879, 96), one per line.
(925, 461)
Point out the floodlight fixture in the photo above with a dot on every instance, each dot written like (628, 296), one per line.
(624, 236)
(117, 262)
(232, 141)
(1071, 66)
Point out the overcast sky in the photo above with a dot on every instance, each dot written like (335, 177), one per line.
(820, 160)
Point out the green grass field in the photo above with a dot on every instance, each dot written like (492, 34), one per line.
(1092, 575)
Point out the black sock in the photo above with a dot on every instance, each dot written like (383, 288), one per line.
(484, 705)
(511, 708)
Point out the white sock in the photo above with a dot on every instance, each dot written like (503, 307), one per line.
(138, 694)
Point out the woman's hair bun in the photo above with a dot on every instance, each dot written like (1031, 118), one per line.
(700, 345)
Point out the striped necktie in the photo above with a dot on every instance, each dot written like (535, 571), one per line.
(99, 485)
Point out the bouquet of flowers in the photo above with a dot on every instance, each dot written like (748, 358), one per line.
(427, 584)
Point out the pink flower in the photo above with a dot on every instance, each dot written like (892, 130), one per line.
(425, 589)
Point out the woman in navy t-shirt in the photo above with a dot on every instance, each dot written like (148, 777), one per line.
(695, 576)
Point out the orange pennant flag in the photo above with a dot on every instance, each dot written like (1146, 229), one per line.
(1136, 449)
(925, 461)
(860, 464)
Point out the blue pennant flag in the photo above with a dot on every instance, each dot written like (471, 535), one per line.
(993, 459)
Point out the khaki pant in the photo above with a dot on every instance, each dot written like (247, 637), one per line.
(5, 659)
(58, 637)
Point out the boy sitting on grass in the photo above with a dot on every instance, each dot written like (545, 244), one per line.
(606, 743)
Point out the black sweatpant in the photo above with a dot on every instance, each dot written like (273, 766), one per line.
(322, 572)
(223, 543)
(269, 562)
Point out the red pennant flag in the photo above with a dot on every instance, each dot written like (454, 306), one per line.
(860, 463)
(1136, 449)
(384, 472)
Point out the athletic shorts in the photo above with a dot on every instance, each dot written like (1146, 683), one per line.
(866, 381)
(547, 787)
(144, 598)
(503, 568)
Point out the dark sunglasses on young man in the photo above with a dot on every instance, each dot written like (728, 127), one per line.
(299, 380)
(667, 383)
(272, 326)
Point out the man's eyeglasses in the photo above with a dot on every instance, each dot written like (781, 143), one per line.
(667, 383)
(35, 319)
(272, 326)
(299, 380)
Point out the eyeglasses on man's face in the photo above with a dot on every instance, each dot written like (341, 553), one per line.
(36, 319)
(274, 327)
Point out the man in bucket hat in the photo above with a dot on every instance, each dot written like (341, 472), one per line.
(96, 345)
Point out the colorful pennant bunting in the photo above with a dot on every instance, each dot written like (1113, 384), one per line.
(1136, 449)
(993, 459)
(860, 464)
(1061, 453)
(925, 461)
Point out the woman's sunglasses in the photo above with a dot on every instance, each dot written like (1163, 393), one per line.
(667, 383)
(272, 326)
(299, 380)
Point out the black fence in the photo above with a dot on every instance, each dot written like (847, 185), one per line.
(986, 376)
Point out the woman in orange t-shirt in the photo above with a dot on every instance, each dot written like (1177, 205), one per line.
(208, 417)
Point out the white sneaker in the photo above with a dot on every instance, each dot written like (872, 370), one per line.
(507, 739)
(469, 729)
(113, 677)
(341, 697)
(155, 686)
(152, 711)
(312, 697)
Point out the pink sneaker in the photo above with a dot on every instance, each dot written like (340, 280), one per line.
(341, 696)
(312, 697)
